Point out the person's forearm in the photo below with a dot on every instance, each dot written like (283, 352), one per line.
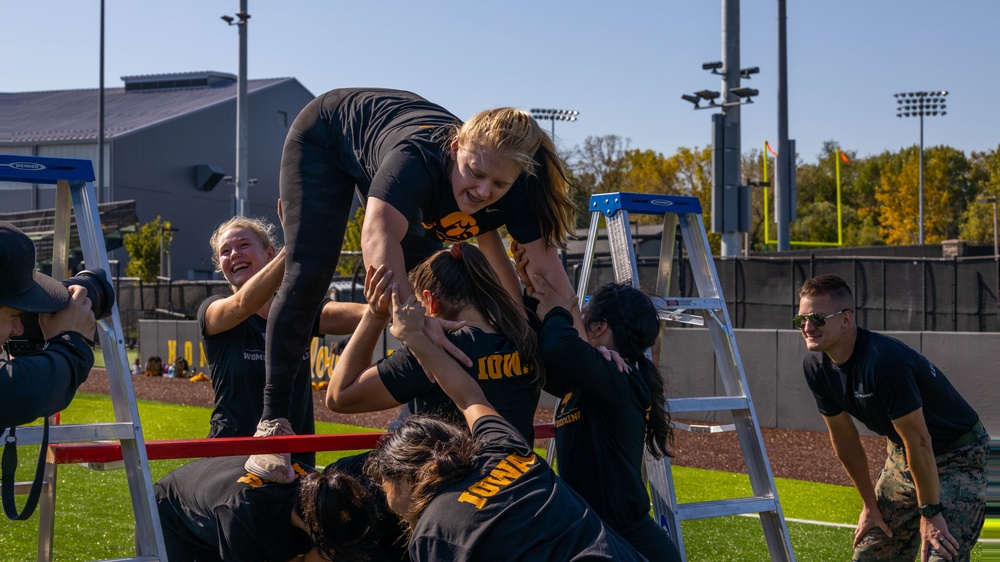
(356, 358)
(338, 318)
(42, 384)
(550, 268)
(261, 287)
(456, 383)
(492, 247)
(381, 251)
(923, 470)
(852, 455)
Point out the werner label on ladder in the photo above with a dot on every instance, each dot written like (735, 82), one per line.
(707, 309)
(74, 192)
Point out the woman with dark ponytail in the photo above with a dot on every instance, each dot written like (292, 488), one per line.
(456, 285)
(484, 496)
(607, 414)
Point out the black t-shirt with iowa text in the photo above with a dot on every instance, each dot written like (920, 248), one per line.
(512, 507)
(508, 384)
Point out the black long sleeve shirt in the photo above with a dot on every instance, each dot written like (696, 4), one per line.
(43, 383)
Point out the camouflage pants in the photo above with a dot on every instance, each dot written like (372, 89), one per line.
(962, 473)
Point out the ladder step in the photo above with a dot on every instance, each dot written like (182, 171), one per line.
(687, 303)
(722, 508)
(73, 433)
(707, 404)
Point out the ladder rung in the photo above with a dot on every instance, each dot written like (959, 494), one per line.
(707, 404)
(722, 508)
(73, 433)
(687, 303)
(22, 488)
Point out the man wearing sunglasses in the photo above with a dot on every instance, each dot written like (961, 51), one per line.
(931, 495)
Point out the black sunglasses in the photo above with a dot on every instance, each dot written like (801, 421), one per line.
(817, 319)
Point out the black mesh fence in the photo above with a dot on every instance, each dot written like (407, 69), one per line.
(891, 294)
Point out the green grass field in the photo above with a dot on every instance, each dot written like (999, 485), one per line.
(94, 518)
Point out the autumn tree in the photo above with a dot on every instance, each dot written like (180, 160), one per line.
(947, 191)
(352, 242)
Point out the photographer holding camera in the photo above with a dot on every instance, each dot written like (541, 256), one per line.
(41, 383)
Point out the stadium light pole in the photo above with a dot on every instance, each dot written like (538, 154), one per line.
(554, 115)
(241, 20)
(921, 104)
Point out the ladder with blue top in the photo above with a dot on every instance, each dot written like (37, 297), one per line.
(685, 213)
(73, 179)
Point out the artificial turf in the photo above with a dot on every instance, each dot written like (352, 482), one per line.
(94, 518)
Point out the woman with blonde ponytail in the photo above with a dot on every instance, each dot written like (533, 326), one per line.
(426, 178)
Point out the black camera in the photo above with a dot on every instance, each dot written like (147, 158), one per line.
(102, 298)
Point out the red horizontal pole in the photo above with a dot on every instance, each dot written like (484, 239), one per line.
(106, 451)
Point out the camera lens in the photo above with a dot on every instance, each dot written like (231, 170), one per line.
(99, 290)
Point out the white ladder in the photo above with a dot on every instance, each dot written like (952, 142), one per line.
(73, 179)
(685, 212)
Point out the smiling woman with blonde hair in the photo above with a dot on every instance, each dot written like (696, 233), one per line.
(426, 178)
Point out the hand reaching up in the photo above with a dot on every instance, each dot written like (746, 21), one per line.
(549, 298)
(377, 283)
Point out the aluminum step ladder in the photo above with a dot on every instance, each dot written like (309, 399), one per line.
(685, 212)
(73, 179)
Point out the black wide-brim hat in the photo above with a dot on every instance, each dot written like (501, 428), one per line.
(21, 287)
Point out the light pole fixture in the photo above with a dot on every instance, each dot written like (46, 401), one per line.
(996, 245)
(730, 200)
(242, 137)
(921, 104)
(554, 115)
(744, 95)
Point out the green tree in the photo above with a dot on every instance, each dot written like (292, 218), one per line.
(144, 246)
(862, 221)
(977, 221)
(352, 242)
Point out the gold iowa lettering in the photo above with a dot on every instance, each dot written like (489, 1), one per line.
(500, 365)
(506, 471)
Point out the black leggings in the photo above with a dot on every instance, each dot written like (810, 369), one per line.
(316, 198)
(651, 540)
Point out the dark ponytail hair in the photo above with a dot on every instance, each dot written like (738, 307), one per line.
(461, 276)
(634, 325)
(339, 513)
(429, 453)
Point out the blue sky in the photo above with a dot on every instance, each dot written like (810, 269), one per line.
(623, 64)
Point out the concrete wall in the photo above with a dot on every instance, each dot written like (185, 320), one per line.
(170, 339)
(772, 360)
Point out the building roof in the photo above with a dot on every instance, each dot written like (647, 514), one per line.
(117, 218)
(72, 115)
